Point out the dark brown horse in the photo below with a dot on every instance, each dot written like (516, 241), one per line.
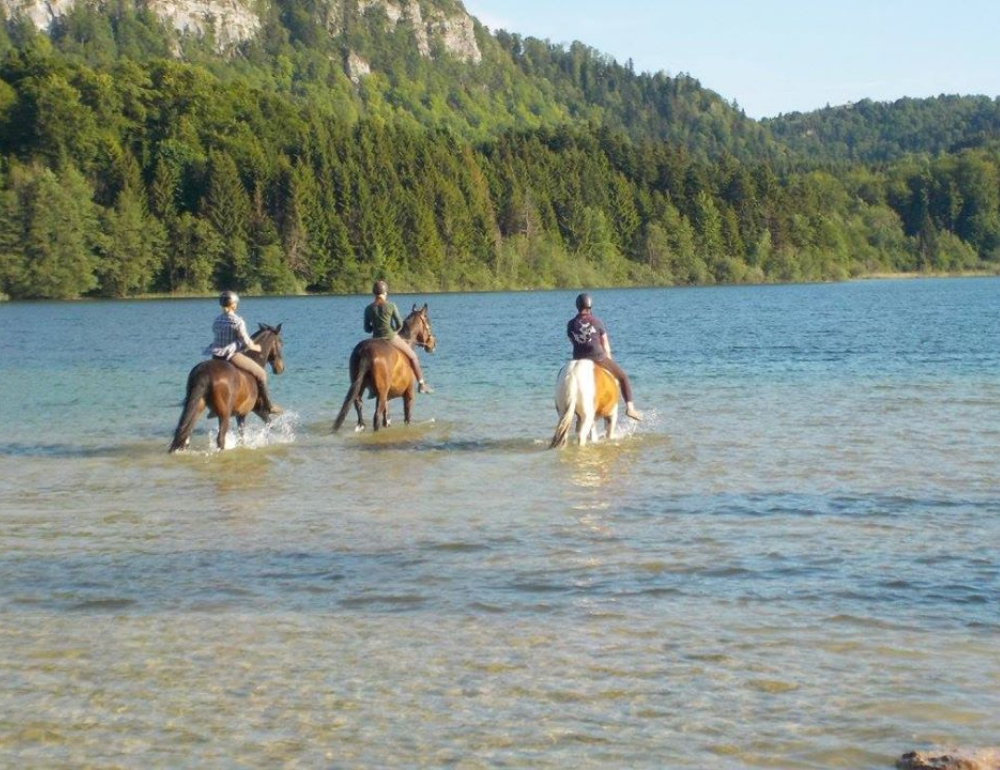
(227, 390)
(386, 372)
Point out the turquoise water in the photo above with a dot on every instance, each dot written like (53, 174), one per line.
(791, 563)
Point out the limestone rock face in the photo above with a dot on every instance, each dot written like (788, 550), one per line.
(357, 67)
(232, 22)
(951, 759)
(42, 13)
(455, 33)
(458, 36)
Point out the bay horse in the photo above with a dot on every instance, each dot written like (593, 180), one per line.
(385, 371)
(586, 391)
(226, 389)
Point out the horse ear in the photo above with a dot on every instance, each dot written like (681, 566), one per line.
(414, 308)
(261, 327)
(424, 308)
(277, 329)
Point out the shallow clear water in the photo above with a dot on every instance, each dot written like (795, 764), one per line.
(791, 563)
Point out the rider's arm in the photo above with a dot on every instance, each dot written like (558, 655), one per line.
(395, 321)
(248, 343)
(606, 344)
(369, 320)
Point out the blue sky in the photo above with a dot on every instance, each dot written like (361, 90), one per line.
(780, 56)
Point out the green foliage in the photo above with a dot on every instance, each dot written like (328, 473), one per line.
(868, 131)
(46, 227)
(130, 248)
(126, 170)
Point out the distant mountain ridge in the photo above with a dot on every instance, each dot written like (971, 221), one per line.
(882, 131)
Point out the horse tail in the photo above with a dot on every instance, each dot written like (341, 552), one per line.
(354, 392)
(197, 389)
(566, 405)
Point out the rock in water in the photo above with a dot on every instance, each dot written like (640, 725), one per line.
(951, 759)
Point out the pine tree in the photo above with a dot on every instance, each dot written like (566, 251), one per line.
(49, 228)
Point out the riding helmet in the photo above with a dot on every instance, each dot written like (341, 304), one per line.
(584, 301)
(228, 298)
(380, 287)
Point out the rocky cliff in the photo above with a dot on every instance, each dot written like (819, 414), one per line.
(231, 21)
(454, 31)
(234, 21)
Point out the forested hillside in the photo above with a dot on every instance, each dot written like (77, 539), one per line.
(136, 161)
(868, 131)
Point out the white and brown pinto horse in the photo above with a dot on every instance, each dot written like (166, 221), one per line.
(586, 391)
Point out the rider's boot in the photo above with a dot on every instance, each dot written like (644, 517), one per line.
(267, 406)
(630, 411)
(423, 387)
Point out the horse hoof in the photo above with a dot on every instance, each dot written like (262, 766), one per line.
(359, 428)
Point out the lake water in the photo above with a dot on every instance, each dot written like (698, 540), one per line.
(791, 563)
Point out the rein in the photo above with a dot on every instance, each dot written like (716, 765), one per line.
(265, 350)
(412, 340)
(266, 338)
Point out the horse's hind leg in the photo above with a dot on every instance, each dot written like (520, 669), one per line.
(586, 426)
(241, 428)
(223, 430)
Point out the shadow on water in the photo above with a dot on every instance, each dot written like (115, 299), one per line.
(429, 436)
(463, 446)
(69, 451)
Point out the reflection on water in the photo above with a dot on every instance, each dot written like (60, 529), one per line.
(591, 466)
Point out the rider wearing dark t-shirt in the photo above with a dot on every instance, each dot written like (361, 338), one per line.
(590, 340)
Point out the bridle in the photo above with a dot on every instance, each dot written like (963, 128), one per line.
(413, 340)
(270, 353)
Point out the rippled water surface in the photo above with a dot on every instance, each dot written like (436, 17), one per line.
(791, 563)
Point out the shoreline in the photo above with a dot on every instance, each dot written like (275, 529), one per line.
(879, 276)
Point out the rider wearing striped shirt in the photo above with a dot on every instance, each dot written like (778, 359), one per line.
(230, 338)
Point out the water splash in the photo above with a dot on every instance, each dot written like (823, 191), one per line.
(278, 431)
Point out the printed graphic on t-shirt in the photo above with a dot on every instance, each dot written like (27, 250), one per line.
(584, 333)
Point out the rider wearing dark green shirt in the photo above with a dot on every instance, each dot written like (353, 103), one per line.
(383, 321)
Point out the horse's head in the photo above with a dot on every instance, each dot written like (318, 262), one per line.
(269, 339)
(417, 329)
